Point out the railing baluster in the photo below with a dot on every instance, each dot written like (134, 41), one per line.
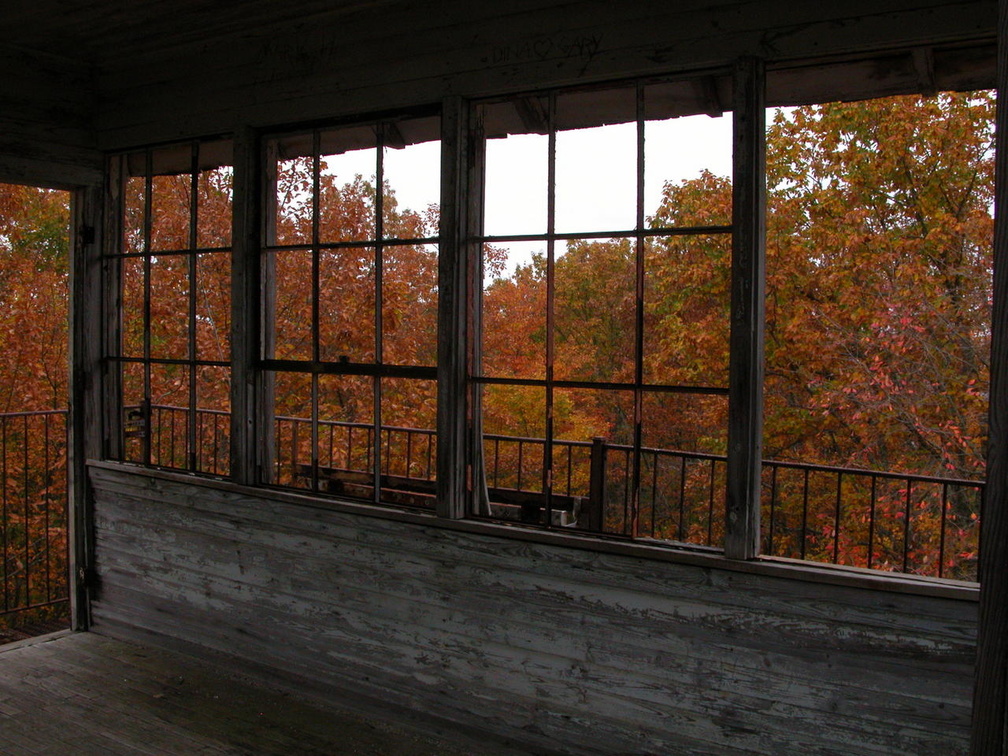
(710, 504)
(27, 520)
(906, 525)
(409, 451)
(6, 522)
(46, 504)
(654, 489)
(773, 504)
(518, 484)
(431, 439)
(804, 520)
(836, 520)
(941, 538)
(626, 493)
(682, 496)
(871, 521)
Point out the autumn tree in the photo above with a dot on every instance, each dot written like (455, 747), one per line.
(879, 273)
(34, 296)
(879, 229)
(34, 268)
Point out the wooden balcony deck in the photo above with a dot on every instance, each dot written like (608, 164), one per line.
(83, 693)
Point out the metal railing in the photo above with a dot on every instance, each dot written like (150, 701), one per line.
(892, 521)
(33, 518)
(900, 522)
(880, 520)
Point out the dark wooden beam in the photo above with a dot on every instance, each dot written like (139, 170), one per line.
(745, 369)
(85, 414)
(452, 317)
(245, 304)
(989, 692)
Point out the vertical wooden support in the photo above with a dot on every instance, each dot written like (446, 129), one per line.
(245, 306)
(596, 486)
(85, 417)
(452, 317)
(745, 369)
(111, 306)
(265, 281)
(990, 692)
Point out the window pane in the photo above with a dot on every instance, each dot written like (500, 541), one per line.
(213, 420)
(683, 467)
(409, 419)
(687, 154)
(687, 302)
(413, 187)
(170, 410)
(595, 311)
(214, 198)
(170, 212)
(409, 304)
(579, 417)
(347, 187)
(517, 164)
(132, 271)
(213, 306)
(169, 306)
(134, 418)
(346, 435)
(134, 218)
(292, 280)
(596, 165)
(292, 406)
(514, 310)
(293, 210)
(347, 304)
(514, 443)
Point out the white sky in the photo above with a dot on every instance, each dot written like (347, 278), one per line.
(595, 174)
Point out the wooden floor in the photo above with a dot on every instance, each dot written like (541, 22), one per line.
(81, 693)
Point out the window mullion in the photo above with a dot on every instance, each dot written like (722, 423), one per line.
(453, 330)
(246, 382)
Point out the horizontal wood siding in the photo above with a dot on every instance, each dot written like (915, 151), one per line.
(46, 133)
(562, 649)
(410, 53)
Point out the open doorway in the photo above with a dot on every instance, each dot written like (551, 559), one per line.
(34, 375)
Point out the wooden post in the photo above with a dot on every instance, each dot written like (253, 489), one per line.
(245, 306)
(84, 421)
(989, 692)
(745, 369)
(596, 485)
(452, 317)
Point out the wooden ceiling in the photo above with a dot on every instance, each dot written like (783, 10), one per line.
(105, 33)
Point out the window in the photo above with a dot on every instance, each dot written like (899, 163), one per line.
(350, 275)
(602, 323)
(169, 355)
(592, 359)
(879, 256)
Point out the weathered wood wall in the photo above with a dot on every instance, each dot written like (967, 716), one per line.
(561, 648)
(46, 129)
(141, 75)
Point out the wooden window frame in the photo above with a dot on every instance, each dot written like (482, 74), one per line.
(166, 161)
(258, 445)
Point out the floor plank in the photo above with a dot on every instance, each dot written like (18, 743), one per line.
(83, 693)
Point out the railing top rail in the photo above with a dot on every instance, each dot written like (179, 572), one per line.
(32, 413)
(886, 474)
(704, 456)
